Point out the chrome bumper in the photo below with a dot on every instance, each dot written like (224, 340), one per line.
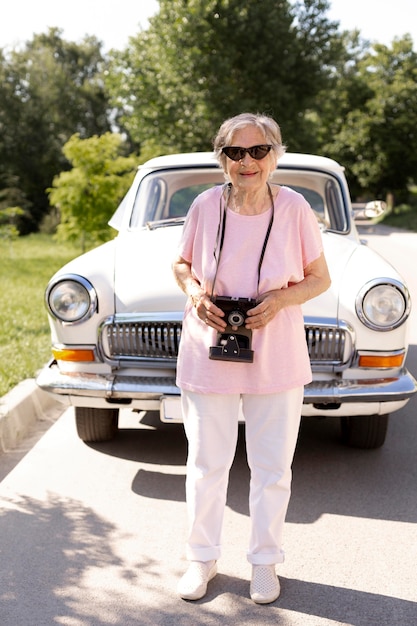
(125, 388)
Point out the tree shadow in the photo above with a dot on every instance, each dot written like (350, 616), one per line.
(64, 540)
(58, 563)
(59, 566)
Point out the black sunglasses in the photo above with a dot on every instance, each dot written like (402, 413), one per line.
(255, 152)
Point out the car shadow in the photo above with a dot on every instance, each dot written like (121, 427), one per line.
(327, 476)
(324, 602)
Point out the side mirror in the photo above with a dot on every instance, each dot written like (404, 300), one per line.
(368, 211)
(375, 209)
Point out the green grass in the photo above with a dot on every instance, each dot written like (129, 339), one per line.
(26, 266)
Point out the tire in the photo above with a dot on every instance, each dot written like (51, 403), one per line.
(364, 431)
(94, 425)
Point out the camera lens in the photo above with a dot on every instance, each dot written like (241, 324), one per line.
(236, 318)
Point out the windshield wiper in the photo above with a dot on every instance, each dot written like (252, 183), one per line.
(170, 221)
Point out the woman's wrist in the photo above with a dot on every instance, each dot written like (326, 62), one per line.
(195, 293)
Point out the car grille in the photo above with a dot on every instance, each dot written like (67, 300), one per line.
(326, 344)
(147, 340)
(160, 341)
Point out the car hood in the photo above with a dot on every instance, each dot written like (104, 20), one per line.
(143, 271)
(144, 280)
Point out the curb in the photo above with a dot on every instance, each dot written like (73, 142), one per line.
(20, 409)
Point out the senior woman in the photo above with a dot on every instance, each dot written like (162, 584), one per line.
(259, 242)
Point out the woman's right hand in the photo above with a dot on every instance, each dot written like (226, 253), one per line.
(208, 312)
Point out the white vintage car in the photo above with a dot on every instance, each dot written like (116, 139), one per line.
(116, 311)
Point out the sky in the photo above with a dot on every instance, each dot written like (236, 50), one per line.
(113, 22)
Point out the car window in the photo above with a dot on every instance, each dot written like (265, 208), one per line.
(167, 194)
(182, 199)
(322, 191)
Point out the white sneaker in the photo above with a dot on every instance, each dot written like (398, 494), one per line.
(193, 585)
(264, 587)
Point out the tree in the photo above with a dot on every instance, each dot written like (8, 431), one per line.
(49, 90)
(374, 133)
(201, 61)
(88, 194)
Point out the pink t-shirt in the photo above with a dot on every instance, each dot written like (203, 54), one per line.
(281, 360)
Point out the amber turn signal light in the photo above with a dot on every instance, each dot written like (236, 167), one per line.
(73, 354)
(381, 360)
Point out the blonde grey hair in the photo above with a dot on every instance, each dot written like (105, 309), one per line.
(268, 126)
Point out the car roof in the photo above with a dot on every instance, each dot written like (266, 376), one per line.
(201, 159)
(289, 160)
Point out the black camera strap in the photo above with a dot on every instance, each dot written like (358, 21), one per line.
(222, 229)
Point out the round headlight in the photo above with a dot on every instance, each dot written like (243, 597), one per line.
(71, 299)
(383, 306)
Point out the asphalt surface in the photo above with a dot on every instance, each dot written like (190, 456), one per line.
(94, 535)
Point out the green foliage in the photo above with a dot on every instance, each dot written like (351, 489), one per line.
(374, 134)
(8, 229)
(25, 343)
(9, 215)
(88, 194)
(201, 61)
(49, 90)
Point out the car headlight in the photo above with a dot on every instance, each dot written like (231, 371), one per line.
(383, 304)
(71, 298)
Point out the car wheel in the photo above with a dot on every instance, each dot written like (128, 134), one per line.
(364, 431)
(96, 424)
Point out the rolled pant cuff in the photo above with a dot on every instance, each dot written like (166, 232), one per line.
(202, 554)
(266, 559)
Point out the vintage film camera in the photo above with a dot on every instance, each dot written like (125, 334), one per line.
(234, 345)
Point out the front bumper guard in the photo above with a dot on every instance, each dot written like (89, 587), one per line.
(124, 388)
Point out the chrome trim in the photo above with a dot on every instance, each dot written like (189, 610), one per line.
(331, 392)
(339, 391)
(87, 286)
(376, 282)
(146, 316)
(110, 387)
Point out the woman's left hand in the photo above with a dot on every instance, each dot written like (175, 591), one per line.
(269, 305)
(316, 280)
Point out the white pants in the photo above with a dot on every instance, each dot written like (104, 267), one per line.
(211, 426)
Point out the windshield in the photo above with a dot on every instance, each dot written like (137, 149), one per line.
(166, 195)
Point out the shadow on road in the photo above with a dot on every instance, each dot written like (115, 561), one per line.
(328, 477)
(77, 558)
(61, 564)
(65, 539)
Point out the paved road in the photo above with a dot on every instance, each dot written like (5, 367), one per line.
(93, 535)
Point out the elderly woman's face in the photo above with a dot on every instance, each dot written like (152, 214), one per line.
(248, 173)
